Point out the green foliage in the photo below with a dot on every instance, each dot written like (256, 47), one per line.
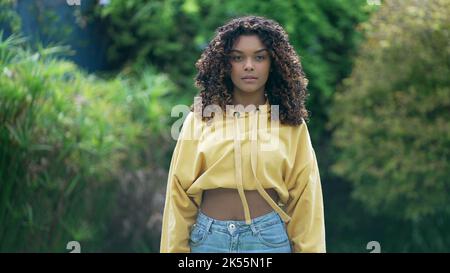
(8, 17)
(158, 32)
(65, 140)
(146, 91)
(392, 115)
(85, 158)
(171, 35)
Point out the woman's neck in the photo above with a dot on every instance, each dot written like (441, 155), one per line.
(245, 99)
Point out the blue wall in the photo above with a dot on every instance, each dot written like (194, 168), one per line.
(54, 22)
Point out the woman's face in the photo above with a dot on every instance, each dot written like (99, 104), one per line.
(250, 64)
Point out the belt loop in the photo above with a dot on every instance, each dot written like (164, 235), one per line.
(254, 228)
(208, 225)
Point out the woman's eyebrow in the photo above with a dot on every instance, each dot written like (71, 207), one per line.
(257, 51)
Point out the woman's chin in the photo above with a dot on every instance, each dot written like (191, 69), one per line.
(248, 90)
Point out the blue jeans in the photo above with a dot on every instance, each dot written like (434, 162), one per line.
(266, 234)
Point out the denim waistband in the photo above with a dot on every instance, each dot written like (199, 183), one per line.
(257, 223)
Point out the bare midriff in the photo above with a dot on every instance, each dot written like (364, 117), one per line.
(225, 204)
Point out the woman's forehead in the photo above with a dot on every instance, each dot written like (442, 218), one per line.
(248, 44)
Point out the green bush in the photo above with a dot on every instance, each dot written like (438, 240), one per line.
(9, 19)
(391, 121)
(171, 35)
(66, 141)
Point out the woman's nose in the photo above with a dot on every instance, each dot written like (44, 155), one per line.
(248, 65)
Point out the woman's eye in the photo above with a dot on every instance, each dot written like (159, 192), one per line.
(239, 58)
(236, 58)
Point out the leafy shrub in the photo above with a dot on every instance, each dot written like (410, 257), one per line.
(67, 139)
(392, 115)
(171, 35)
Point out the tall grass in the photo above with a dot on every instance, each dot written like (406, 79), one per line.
(65, 139)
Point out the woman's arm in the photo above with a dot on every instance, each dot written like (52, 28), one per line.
(179, 210)
(306, 229)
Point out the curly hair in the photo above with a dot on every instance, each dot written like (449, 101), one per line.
(286, 85)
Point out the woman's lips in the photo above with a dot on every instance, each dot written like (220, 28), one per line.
(249, 79)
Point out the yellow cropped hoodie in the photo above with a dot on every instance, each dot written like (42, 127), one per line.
(245, 150)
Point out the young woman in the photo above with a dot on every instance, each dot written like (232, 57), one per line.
(244, 175)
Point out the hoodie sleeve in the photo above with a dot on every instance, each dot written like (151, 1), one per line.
(179, 210)
(306, 229)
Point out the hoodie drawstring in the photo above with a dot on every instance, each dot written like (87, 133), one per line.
(254, 162)
(238, 165)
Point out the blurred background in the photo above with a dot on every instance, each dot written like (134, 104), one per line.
(87, 86)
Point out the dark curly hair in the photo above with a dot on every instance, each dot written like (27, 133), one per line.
(286, 85)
